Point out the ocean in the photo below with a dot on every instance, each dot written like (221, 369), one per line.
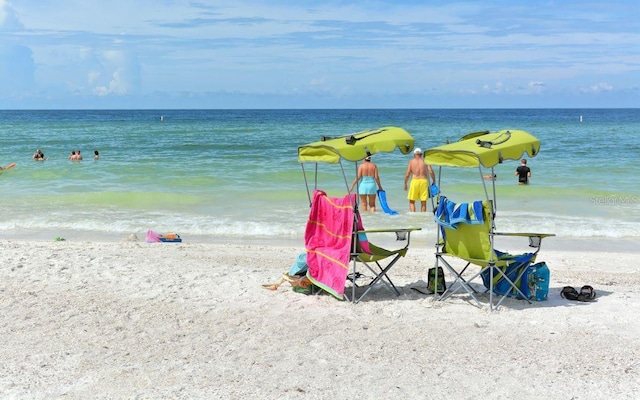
(233, 174)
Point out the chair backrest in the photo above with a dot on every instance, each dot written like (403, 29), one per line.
(471, 241)
(362, 242)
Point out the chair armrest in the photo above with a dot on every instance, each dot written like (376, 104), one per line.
(382, 230)
(542, 235)
(534, 238)
(401, 233)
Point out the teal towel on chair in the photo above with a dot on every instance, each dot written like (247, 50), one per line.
(450, 214)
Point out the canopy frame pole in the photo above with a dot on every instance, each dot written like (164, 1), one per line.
(315, 177)
(344, 174)
(494, 207)
(484, 184)
(492, 261)
(439, 179)
(434, 199)
(493, 187)
(357, 182)
(306, 183)
(354, 230)
(355, 234)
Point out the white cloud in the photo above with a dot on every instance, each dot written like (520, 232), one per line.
(120, 82)
(497, 88)
(8, 17)
(119, 74)
(317, 81)
(596, 88)
(535, 86)
(17, 67)
(532, 87)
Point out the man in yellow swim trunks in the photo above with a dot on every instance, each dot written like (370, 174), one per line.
(419, 190)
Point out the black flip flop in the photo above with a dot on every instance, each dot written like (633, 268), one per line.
(569, 293)
(587, 293)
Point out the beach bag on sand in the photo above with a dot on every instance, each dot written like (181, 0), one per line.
(533, 283)
(502, 287)
(431, 281)
(536, 279)
(300, 266)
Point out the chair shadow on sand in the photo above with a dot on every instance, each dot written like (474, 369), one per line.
(418, 290)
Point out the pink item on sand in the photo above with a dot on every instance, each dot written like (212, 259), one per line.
(152, 236)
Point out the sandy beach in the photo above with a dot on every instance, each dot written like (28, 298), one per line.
(190, 320)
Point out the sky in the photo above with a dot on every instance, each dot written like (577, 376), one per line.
(164, 54)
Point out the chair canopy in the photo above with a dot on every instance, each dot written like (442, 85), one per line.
(355, 147)
(485, 149)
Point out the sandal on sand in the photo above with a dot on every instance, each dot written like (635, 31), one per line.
(587, 293)
(273, 286)
(569, 293)
(291, 278)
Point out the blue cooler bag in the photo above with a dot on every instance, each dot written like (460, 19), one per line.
(534, 283)
(537, 279)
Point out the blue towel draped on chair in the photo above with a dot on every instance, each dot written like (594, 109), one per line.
(450, 214)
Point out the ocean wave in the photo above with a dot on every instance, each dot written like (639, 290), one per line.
(291, 223)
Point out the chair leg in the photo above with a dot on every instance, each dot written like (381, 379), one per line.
(461, 283)
(383, 273)
(379, 278)
(511, 284)
(458, 283)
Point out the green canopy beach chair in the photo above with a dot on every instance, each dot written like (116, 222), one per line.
(324, 237)
(472, 241)
(468, 232)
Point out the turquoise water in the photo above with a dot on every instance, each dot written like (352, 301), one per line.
(234, 173)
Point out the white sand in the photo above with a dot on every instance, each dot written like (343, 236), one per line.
(119, 320)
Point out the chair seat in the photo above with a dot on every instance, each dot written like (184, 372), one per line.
(502, 260)
(378, 253)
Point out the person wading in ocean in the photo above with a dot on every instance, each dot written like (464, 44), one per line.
(419, 190)
(369, 184)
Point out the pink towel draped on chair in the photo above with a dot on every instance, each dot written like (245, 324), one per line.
(328, 241)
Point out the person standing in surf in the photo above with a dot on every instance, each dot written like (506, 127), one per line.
(38, 155)
(369, 184)
(523, 173)
(417, 170)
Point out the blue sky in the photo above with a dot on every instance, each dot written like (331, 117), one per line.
(318, 54)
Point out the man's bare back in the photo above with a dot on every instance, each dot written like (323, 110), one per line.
(418, 168)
